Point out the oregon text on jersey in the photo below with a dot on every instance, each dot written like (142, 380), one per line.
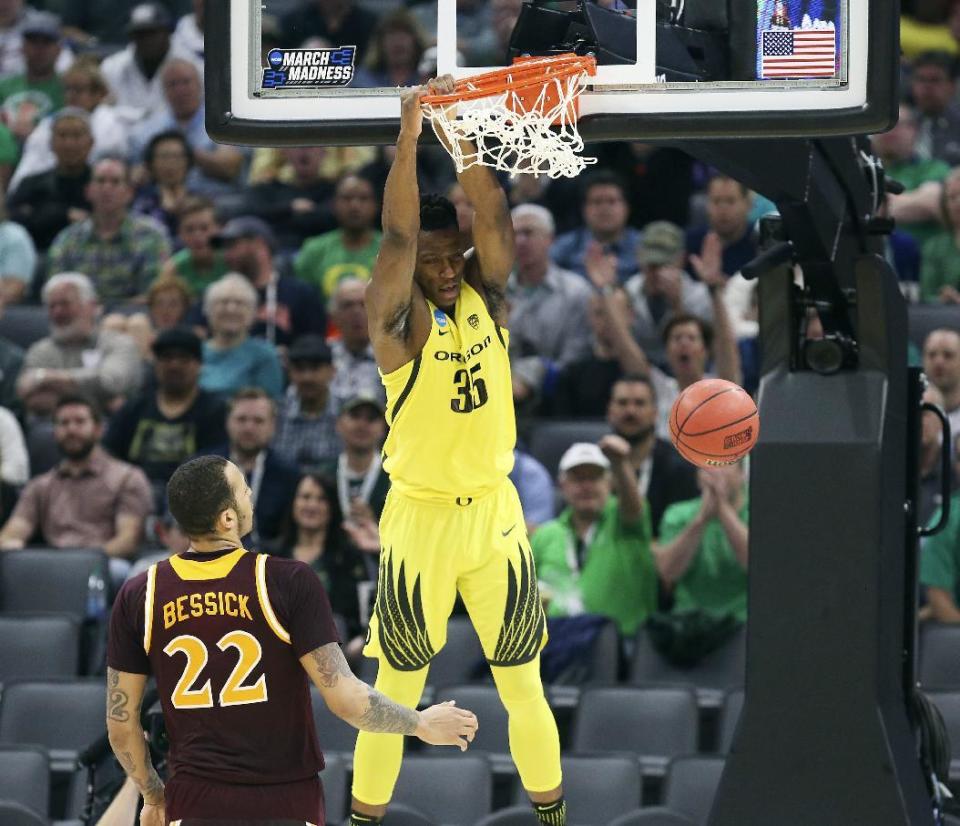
(308, 68)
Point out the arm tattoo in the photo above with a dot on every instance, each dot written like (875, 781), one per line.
(116, 699)
(331, 664)
(398, 322)
(384, 716)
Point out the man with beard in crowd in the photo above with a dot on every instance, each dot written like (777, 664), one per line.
(662, 476)
(89, 500)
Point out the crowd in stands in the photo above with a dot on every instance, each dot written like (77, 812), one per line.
(207, 298)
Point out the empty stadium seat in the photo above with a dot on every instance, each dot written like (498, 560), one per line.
(49, 579)
(38, 646)
(334, 777)
(729, 717)
(400, 814)
(656, 723)
(948, 702)
(24, 324)
(64, 716)
(597, 789)
(719, 671)
(691, 785)
(25, 777)
(334, 734)
(922, 319)
(939, 663)
(42, 447)
(550, 439)
(657, 816)
(493, 732)
(15, 814)
(511, 816)
(452, 791)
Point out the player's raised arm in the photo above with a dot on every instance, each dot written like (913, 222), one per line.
(365, 708)
(391, 309)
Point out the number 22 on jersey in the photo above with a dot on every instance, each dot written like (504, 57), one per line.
(187, 695)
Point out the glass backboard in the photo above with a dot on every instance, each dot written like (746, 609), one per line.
(283, 72)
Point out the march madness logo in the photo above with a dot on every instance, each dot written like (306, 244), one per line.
(309, 68)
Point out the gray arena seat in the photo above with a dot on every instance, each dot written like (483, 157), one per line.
(656, 816)
(948, 702)
(334, 777)
(64, 716)
(492, 737)
(452, 791)
(58, 579)
(42, 447)
(656, 723)
(25, 777)
(596, 788)
(550, 438)
(15, 814)
(399, 814)
(335, 734)
(924, 318)
(719, 671)
(729, 717)
(691, 785)
(939, 663)
(24, 324)
(38, 646)
(511, 816)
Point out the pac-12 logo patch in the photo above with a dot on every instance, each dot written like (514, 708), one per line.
(474, 321)
(309, 68)
(441, 318)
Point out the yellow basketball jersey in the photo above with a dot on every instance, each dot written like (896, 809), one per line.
(450, 410)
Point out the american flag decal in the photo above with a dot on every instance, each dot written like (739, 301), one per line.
(799, 53)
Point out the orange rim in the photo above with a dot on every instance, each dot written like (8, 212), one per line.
(525, 73)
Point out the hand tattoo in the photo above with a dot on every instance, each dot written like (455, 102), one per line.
(116, 699)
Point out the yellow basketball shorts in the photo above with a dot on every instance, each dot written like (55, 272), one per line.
(433, 550)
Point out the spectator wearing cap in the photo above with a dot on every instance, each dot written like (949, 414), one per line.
(120, 251)
(89, 500)
(605, 211)
(173, 420)
(287, 308)
(355, 369)
(13, 17)
(78, 356)
(29, 97)
(729, 204)
(596, 557)
(662, 290)
(307, 420)
(134, 74)
(232, 360)
(48, 202)
(362, 484)
(548, 307)
(83, 89)
(215, 168)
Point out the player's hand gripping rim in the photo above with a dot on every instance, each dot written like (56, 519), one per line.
(445, 725)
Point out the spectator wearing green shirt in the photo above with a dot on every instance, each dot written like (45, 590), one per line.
(197, 263)
(940, 566)
(940, 263)
(596, 557)
(897, 150)
(38, 92)
(702, 555)
(350, 250)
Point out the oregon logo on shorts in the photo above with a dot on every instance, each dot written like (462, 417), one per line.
(401, 624)
(523, 621)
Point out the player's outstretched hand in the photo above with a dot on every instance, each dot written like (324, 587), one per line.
(442, 85)
(153, 815)
(446, 725)
(411, 116)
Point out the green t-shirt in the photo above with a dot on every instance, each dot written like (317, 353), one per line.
(940, 554)
(198, 280)
(618, 579)
(45, 95)
(940, 265)
(715, 580)
(9, 149)
(912, 174)
(324, 261)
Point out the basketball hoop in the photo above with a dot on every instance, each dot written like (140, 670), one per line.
(522, 118)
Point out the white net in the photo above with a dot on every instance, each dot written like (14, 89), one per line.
(530, 129)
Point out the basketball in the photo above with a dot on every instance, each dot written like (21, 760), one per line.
(714, 422)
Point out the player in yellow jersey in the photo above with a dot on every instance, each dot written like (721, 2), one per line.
(452, 522)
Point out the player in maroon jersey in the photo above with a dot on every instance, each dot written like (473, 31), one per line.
(231, 637)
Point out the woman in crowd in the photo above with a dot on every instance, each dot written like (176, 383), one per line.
(395, 52)
(167, 159)
(314, 533)
(231, 358)
(168, 300)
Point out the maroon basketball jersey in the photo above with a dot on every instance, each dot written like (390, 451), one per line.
(223, 634)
